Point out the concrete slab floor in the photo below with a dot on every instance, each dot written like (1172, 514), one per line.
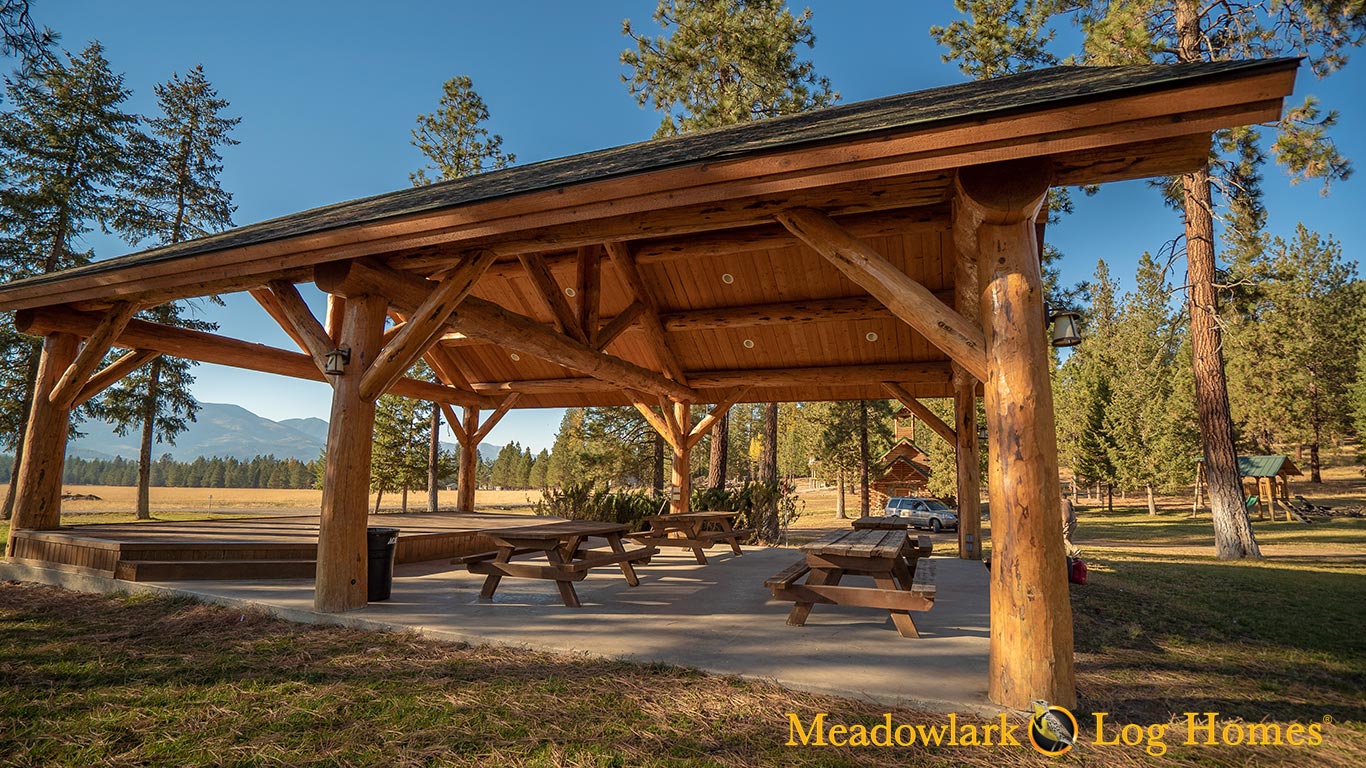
(718, 618)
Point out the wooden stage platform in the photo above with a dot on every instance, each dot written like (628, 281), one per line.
(246, 548)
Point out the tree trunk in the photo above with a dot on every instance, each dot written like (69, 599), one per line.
(379, 494)
(658, 465)
(149, 414)
(839, 498)
(405, 498)
(768, 473)
(716, 462)
(863, 457)
(434, 461)
(1152, 502)
(1314, 474)
(1233, 537)
(1109, 497)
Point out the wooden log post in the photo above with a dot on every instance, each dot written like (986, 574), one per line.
(1031, 652)
(682, 459)
(38, 493)
(968, 457)
(342, 555)
(468, 478)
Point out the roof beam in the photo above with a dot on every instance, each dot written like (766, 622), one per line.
(625, 262)
(423, 326)
(921, 412)
(548, 289)
(111, 373)
(617, 325)
(76, 375)
(589, 288)
(905, 373)
(908, 299)
(492, 323)
(220, 350)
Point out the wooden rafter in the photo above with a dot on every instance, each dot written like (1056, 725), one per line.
(921, 412)
(904, 373)
(589, 289)
(211, 348)
(618, 325)
(718, 412)
(661, 423)
(453, 422)
(949, 331)
(424, 325)
(267, 300)
(499, 326)
(625, 263)
(298, 321)
(75, 377)
(489, 423)
(111, 373)
(566, 321)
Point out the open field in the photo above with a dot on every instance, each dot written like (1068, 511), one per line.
(1162, 629)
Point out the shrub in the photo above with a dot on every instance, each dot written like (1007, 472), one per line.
(585, 501)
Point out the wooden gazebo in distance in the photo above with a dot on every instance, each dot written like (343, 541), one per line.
(886, 246)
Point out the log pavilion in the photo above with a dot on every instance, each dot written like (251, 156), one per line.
(884, 248)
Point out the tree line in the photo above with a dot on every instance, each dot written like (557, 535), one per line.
(214, 472)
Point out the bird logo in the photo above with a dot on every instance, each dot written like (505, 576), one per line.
(1052, 730)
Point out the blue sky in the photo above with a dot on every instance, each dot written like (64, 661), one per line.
(328, 92)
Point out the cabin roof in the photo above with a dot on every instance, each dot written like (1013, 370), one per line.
(738, 299)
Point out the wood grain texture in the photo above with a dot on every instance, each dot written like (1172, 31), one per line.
(342, 550)
(906, 298)
(74, 378)
(38, 491)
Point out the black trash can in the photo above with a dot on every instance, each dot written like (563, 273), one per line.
(382, 543)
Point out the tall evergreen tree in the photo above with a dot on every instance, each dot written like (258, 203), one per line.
(174, 196)
(64, 158)
(724, 62)
(454, 139)
(456, 144)
(1298, 350)
(399, 461)
(1191, 31)
(1146, 449)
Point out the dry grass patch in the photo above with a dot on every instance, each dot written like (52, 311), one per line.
(135, 681)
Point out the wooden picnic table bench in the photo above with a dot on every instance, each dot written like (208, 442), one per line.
(921, 546)
(888, 556)
(690, 530)
(562, 545)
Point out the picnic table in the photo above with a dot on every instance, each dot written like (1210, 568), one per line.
(921, 545)
(889, 556)
(562, 545)
(693, 530)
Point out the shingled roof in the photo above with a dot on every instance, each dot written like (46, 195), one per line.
(865, 120)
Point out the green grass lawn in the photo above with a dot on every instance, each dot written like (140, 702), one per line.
(1161, 629)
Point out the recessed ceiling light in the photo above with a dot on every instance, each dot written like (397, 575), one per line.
(727, 278)
(871, 336)
(749, 343)
(569, 292)
(515, 357)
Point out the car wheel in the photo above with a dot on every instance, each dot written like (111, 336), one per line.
(935, 525)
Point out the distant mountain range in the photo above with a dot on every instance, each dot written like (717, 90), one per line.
(222, 429)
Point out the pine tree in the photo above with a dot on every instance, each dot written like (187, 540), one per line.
(22, 38)
(456, 144)
(724, 62)
(1146, 449)
(64, 158)
(399, 457)
(1084, 388)
(454, 139)
(1302, 345)
(1189, 31)
(174, 196)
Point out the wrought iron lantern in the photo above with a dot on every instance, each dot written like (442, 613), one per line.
(335, 365)
(1066, 328)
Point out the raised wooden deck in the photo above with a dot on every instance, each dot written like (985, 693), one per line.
(248, 548)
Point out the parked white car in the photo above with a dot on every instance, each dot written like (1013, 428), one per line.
(923, 513)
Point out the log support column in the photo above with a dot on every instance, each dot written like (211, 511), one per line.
(342, 556)
(969, 465)
(38, 492)
(1031, 614)
(468, 478)
(681, 494)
